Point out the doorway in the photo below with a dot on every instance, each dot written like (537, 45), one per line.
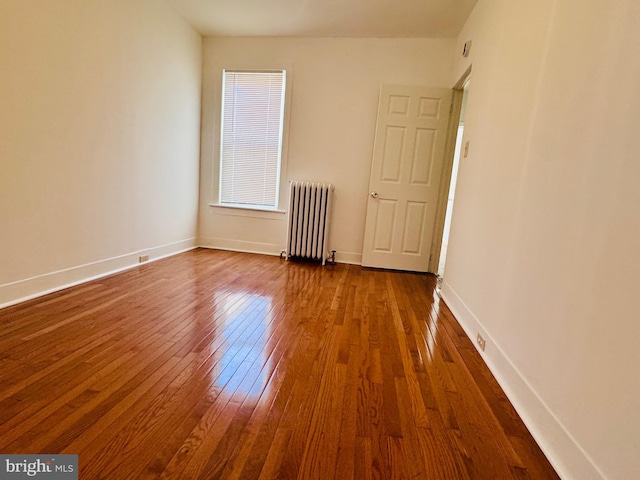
(458, 154)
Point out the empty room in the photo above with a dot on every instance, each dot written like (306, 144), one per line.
(222, 224)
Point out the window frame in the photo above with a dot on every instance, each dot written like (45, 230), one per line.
(249, 209)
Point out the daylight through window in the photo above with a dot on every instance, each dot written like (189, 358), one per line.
(251, 138)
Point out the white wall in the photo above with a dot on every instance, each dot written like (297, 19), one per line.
(99, 150)
(544, 254)
(333, 108)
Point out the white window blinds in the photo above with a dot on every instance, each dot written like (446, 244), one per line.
(251, 138)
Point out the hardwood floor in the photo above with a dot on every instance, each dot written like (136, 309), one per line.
(216, 364)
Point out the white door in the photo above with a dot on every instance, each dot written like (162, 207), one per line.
(408, 155)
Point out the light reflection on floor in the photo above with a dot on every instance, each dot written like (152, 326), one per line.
(245, 320)
(433, 327)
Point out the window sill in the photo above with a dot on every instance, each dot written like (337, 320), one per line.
(256, 212)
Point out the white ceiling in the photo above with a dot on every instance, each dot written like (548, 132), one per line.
(326, 18)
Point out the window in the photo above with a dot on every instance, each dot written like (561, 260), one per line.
(251, 138)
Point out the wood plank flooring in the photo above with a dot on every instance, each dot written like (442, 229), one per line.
(215, 364)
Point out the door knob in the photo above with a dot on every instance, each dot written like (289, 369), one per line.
(374, 194)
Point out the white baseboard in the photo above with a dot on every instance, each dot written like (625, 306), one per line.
(349, 257)
(266, 248)
(563, 451)
(26, 289)
(29, 288)
(240, 246)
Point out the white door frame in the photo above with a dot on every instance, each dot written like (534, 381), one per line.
(447, 167)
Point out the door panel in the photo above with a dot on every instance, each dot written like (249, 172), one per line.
(412, 237)
(385, 214)
(392, 154)
(405, 176)
(423, 153)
